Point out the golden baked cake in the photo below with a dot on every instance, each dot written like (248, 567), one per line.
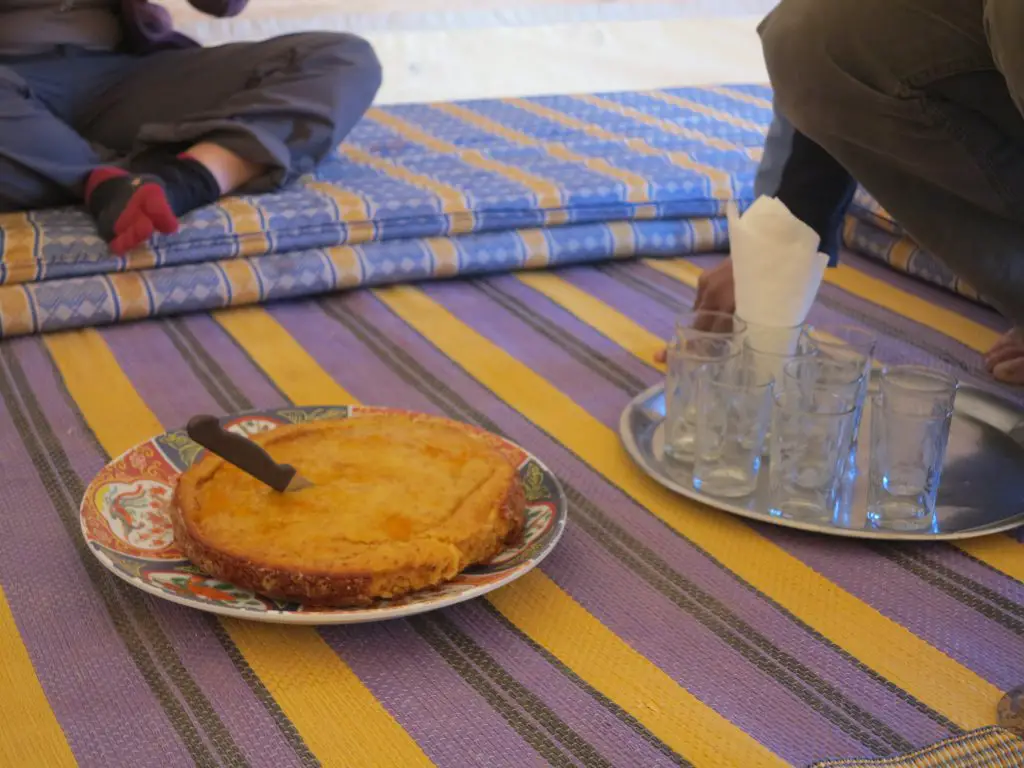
(400, 502)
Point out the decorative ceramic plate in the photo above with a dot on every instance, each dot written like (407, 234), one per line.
(126, 525)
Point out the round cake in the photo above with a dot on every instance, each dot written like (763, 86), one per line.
(399, 502)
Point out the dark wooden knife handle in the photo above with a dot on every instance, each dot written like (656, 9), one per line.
(240, 451)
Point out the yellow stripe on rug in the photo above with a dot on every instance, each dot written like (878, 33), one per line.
(32, 735)
(552, 618)
(880, 643)
(615, 326)
(678, 269)
(945, 321)
(708, 737)
(314, 688)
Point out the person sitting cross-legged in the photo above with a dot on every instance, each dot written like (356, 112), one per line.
(102, 103)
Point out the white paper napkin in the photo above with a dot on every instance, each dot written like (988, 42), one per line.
(776, 266)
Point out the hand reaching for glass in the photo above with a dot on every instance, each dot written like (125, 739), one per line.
(715, 293)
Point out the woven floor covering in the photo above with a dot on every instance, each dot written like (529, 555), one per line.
(658, 633)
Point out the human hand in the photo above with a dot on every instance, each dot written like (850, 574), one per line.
(1005, 361)
(716, 292)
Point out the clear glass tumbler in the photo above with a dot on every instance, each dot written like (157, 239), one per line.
(708, 322)
(818, 382)
(709, 356)
(914, 389)
(910, 422)
(733, 414)
(840, 341)
(841, 344)
(702, 338)
(810, 444)
(846, 345)
(767, 348)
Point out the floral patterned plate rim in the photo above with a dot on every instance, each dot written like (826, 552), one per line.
(126, 525)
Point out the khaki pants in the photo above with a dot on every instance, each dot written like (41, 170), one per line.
(922, 101)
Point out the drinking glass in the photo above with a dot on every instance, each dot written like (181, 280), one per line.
(708, 322)
(846, 345)
(701, 338)
(841, 344)
(810, 444)
(814, 380)
(914, 389)
(768, 348)
(712, 356)
(733, 414)
(840, 341)
(910, 422)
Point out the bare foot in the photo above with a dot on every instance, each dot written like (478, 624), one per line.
(1005, 361)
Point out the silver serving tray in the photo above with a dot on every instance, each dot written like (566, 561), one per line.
(982, 489)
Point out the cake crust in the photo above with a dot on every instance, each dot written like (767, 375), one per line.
(401, 502)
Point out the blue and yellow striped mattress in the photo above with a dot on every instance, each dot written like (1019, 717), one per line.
(420, 192)
(871, 231)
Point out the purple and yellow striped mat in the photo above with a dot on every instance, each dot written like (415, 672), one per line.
(658, 633)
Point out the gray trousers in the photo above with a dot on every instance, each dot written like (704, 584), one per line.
(284, 103)
(922, 101)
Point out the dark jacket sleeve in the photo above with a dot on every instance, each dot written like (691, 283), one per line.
(818, 191)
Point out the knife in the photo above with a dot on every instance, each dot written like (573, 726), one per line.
(248, 456)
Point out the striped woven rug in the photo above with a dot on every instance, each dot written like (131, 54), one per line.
(659, 632)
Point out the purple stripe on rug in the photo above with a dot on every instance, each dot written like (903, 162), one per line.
(591, 391)
(957, 560)
(233, 362)
(550, 313)
(545, 354)
(256, 730)
(94, 689)
(492, 323)
(978, 642)
(342, 354)
(632, 302)
(387, 387)
(158, 373)
(589, 719)
(428, 697)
